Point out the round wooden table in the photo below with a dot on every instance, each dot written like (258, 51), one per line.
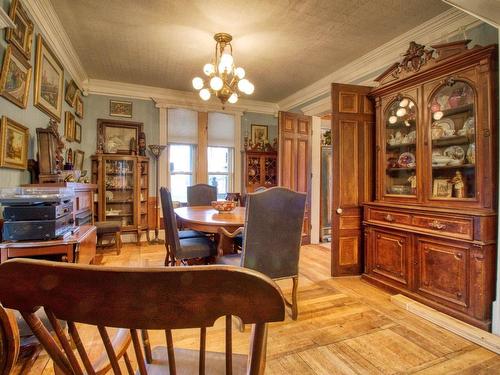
(206, 219)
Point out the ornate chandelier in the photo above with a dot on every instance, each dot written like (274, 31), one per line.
(224, 79)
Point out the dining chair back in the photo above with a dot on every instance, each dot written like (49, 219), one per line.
(9, 341)
(201, 195)
(191, 246)
(271, 236)
(116, 297)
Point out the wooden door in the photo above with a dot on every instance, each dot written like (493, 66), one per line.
(353, 123)
(295, 160)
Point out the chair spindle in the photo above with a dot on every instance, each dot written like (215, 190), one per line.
(170, 351)
(229, 345)
(138, 352)
(203, 348)
(128, 364)
(75, 336)
(109, 350)
(146, 345)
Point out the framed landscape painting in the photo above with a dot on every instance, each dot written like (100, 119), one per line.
(78, 157)
(78, 132)
(49, 81)
(69, 126)
(120, 109)
(14, 139)
(22, 35)
(15, 77)
(71, 93)
(79, 106)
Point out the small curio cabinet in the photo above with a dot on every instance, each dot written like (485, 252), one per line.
(123, 184)
(260, 170)
(430, 232)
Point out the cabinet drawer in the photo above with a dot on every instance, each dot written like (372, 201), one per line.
(389, 217)
(459, 228)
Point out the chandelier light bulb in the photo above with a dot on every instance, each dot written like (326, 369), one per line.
(240, 72)
(233, 98)
(208, 69)
(205, 94)
(250, 88)
(197, 83)
(216, 83)
(226, 60)
(243, 84)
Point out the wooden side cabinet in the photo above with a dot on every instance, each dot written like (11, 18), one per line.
(261, 170)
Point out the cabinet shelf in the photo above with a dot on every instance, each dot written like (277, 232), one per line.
(119, 174)
(400, 146)
(456, 110)
(117, 189)
(119, 201)
(451, 141)
(461, 166)
(120, 215)
(393, 170)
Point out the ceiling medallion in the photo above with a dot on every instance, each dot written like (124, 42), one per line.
(224, 80)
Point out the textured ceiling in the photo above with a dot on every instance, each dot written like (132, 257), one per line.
(284, 45)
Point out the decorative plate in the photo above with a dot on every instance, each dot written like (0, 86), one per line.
(455, 152)
(406, 160)
(445, 124)
(471, 154)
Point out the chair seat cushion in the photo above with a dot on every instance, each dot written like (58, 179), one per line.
(199, 247)
(229, 260)
(190, 234)
(108, 226)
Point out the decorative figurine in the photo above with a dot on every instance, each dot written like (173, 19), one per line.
(413, 183)
(458, 185)
(142, 144)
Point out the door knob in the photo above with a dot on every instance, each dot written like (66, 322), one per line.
(339, 211)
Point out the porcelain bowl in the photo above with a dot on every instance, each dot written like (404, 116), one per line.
(224, 206)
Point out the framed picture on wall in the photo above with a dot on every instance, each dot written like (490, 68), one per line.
(259, 133)
(14, 139)
(120, 109)
(69, 126)
(49, 80)
(15, 77)
(71, 93)
(78, 132)
(22, 35)
(78, 157)
(79, 106)
(118, 136)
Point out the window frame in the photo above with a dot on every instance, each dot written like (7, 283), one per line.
(230, 169)
(171, 173)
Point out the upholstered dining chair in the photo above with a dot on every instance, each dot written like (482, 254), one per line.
(271, 237)
(181, 247)
(119, 300)
(201, 195)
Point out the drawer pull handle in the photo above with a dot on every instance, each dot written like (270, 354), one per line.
(458, 255)
(459, 295)
(389, 218)
(437, 225)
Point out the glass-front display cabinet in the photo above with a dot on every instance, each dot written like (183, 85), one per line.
(260, 170)
(431, 230)
(123, 185)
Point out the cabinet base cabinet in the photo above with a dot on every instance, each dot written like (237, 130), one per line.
(454, 277)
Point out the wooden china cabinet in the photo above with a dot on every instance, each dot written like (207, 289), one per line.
(431, 231)
(261, 170)
(123, 190)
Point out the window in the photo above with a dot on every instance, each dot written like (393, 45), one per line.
(181, 159)
(220, 169)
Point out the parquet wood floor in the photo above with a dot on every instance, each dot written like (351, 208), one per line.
(345, 326)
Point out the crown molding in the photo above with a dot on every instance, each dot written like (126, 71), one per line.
(365, 67)
(168, 98)
(479, 9)
(318, 108)
(5, 20)
(48, 22)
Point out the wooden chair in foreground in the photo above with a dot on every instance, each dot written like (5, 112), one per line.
(201, 195)
(271, 237)
(176, 298)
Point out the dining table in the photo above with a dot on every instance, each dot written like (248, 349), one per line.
(206, 219)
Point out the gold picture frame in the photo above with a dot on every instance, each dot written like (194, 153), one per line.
(79, 106)
(78, 157)
(442, 188)
(22, 35)
(78, 132)
(14, 140)
(259, 133)
(69, 126)
(119, 108)
(15, 77)
(49, 81)
(71, 93)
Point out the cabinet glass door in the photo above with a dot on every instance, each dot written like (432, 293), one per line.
(452, 131)
(401, 148)
(119, 199)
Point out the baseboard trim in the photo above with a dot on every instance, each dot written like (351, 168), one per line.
(467, 331)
